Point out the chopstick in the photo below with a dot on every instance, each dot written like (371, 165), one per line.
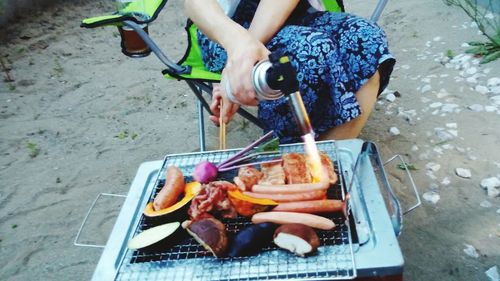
(222, 130)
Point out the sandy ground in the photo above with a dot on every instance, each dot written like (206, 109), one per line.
(80, 118)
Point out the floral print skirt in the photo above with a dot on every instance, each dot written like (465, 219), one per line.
(334, 54)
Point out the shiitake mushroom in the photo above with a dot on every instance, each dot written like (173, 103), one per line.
(297, 238)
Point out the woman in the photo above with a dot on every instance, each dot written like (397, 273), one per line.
(342, 62)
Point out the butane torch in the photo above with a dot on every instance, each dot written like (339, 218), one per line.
(275, 78)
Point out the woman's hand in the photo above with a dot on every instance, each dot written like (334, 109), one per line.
(243, 53)
(228, 108)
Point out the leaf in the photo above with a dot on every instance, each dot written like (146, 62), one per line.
(404, 166)
(475, 43)
(490, 57)
(269, 146)
(480, 50)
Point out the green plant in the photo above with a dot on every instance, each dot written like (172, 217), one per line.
(487, 22)
(404, 166)
(450, 54)
(33, 149)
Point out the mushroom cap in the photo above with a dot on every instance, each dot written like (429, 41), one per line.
(297, 238)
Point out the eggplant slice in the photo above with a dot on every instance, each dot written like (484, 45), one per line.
(158, 238)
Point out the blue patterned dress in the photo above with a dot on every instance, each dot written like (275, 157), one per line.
(334, 54)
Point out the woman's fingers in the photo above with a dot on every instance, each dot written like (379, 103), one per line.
(215, 104)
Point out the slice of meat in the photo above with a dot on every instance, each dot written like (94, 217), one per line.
(295, 168)
(247, 177)
(272, 174)
(328, 165)
(212, 200)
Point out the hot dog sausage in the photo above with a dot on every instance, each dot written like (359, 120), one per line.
(311, 207)
(292, 217)
(290, 188)
(174, 186)
(290, 197)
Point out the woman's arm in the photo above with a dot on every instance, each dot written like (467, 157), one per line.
(211, 20)
(270, 17)
(244, 48)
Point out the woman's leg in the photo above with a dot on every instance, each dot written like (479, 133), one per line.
(366, 97)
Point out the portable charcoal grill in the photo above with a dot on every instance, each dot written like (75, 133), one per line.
(364, 245)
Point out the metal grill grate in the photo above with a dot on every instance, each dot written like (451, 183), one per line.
(190, 261)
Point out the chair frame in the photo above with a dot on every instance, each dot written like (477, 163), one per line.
(199, 86)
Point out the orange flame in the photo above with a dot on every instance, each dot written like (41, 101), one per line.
(313, 159)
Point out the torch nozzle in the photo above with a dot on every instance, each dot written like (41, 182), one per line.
(300, 113)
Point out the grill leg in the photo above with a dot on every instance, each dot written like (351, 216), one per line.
(201, 126)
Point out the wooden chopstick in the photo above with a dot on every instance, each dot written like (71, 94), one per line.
(222, 130)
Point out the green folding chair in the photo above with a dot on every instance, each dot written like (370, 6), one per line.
(190, 67)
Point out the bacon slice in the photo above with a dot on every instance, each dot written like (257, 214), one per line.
(212, 199)
(273, 174)
(295, 167)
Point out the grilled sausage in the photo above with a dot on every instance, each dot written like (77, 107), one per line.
(311, 207)
(174, 186)
(313, 221)
(290, 188)
(290, 197)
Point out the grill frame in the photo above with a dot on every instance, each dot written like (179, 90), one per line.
(378, 255)
(335, 260)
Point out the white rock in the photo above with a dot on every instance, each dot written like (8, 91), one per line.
(490, 182)
(471, 251)
(438, 150)
(472, 80)
(490, 108)
(394, 131)
(489, 16)
(492, 192)
(449, 107)
(495, 90)
(481, 89)
(433, 187)
(451, 125)
(446, 181)
(390, 97)
(463, 173)
(447, 146)
(471, 70)
(476, 107)
(431, 175)
(492, 273)
(494, 81)
(435, 104)
(495, 100)
(434, 167)
(453, 132)
(485, 204)
(442, 135)
(414, 148)
(442, 94)
(437, 38)
(431, 196)
(426, 88)
(473, 24)
(465, 45)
